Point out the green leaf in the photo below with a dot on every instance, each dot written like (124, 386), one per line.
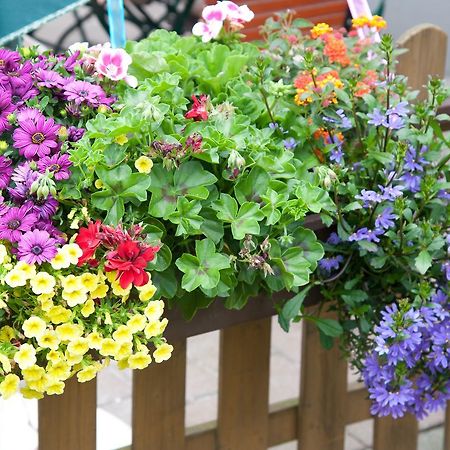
(423, 262)
(162, 261)
(243, 221)
(204, 269)
(329, 327)
(291, 309)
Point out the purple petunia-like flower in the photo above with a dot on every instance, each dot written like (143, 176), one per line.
(369, 197)
(290, 143)
(337, 155)
(393, 122)
(36, 138)
(407, 371)
(330, 264)
(365, 234)
(400, 109)
(15, 222)
(333, 239)
(376, 117)
(391, 192)
(87, 93)
(36, 247)
(411, 182)
(6, 170)
(385, 219)
(57, 164)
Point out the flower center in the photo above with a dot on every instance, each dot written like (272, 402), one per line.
(54, 168)
(13, 224)
(37, 138)
(83, 93)
(36, 250)
(2, 63)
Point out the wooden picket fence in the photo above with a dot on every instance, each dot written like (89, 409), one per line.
(246, 421)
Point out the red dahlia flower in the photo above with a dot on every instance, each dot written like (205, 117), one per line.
(88, 239)
(199, 110)
(130, 260)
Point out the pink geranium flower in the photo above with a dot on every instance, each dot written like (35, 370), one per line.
(113, 63)
(207, 31)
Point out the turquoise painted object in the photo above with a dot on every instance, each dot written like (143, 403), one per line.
(116, 20)
(23, 16)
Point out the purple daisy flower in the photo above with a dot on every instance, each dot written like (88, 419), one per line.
(36, 247)
(15, 222)
(75, 134)
(6, 170)
(43, 208)
(6, 108)
(49, 79)
(28, 114)
(57, 164)
(9, 60)
(23, 173)
(84, 92)
(36, 138)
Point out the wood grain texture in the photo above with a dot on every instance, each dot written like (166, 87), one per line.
(323, 394)
(243, 415)
(69, 421)
(398, 434)
(447, 428)
(158, 403)
(427, 49)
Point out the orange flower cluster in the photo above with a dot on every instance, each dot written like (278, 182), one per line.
(320, 29)
(306, 86)
(336, 49)
(366, 84)
(373, 22)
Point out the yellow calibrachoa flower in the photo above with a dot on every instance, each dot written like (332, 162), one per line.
(60, 261)
(163, 353)
(3, 254)
(123, 334)
(34, 327)
(119, 291)
(124, 351)
(33, 373)
(143, 164)
(146, 292)
(59, 370)
(46, 303)
(40, 384)
(78, 346)
(109, 347)
(9, 385)
(26, 356)
(28, 269)
(16, 278)
(5, 362)
(88, 308)
(95, 340)
(98, 183)
(155, 328)
(87, 374)
(73, 359)
(56, 387)
(31, 394)
(100, 292)
(137, 323)
(73, 252)
(154, 310)
(121, 139)
(7, 333)
(111, 276)
(139, 360)
(42, 283)
(71, 283)
(54, 356)
(75, 297)
(123, 364)
(48, 339)
(69, 331)
(89, 281)
(58, 314)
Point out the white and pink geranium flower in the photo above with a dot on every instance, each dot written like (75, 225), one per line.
(215, 16)
(113, 63)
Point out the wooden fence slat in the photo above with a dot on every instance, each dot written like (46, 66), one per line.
(323, 394)
(398, 434)
(243, 414)
(69, 421)
(447, 428)
(158, 403)
(427, 49)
